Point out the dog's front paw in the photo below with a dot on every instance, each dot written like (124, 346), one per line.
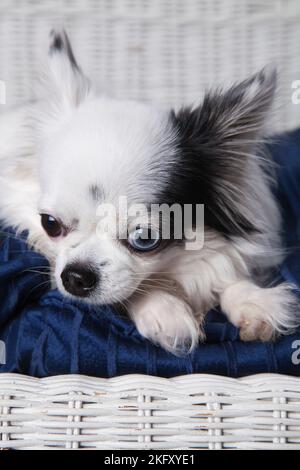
(261, 314)
(166, 320)
(249, 318)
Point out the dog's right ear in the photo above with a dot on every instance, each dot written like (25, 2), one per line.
(63, 85)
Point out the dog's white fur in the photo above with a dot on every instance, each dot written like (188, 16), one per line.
(51, 152)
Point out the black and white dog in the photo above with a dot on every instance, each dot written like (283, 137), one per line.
(71, 151)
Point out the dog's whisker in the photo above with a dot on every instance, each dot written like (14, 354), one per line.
(38, 270)
(46, 268)
(37, 287)
(38, 273)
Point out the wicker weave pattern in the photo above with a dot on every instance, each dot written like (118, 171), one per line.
(143, 412)
(162, 51)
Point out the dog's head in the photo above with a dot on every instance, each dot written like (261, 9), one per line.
(96, 152)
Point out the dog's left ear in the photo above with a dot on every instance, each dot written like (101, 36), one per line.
(218, 143)
(63, 84)
(235, 118)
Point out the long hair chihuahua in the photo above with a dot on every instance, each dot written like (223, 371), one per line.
(71, 151)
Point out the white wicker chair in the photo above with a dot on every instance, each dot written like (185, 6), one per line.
(165, 51)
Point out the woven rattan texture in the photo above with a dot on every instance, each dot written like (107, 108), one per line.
(143, 412)
(160, 51)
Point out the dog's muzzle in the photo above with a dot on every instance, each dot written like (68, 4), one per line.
(79, 280)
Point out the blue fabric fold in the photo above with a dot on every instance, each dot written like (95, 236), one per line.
(46, 334)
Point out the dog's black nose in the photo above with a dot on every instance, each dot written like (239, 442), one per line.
(79, 280)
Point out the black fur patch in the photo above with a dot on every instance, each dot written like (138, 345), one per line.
(212, 142)
(61, 43)
(201, 170)
(57, 43)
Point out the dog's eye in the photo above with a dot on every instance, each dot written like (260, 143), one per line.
(144, 239)
(53, 227)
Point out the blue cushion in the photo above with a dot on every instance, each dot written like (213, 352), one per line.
(46, 334)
